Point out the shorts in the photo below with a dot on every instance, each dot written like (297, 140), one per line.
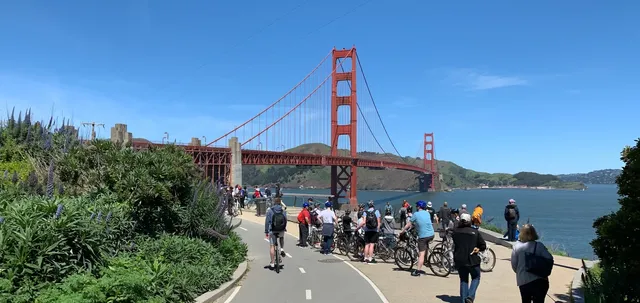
(272, 238)
(370, 237)
(423, 243)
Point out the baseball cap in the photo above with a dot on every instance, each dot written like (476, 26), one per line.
(464, 205)
(465, 217)
(429, 204)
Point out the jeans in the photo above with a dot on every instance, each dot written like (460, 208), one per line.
(534, 291)
(327, 241)
(469, 290)
(511, 230)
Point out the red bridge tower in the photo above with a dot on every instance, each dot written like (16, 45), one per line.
(344, 179)
(429, 159)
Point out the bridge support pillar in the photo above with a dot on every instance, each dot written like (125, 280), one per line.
(344, 179)
(236, 162)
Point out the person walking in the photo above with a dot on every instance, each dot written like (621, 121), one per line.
(512, 216)
(304, 219)
(328, 219)
(422, 220)
(403, 213)
(467, 242)
(533, 288)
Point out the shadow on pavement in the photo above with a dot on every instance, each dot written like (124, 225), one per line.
(448, 298)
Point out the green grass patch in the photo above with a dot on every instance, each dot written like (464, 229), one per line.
(493, 228)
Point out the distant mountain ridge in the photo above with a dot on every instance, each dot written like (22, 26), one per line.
(602, 176)
(451, 174)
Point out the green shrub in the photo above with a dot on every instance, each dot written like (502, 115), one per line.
(492, 227)
(617, 241)
(44, 240)
(166, 269)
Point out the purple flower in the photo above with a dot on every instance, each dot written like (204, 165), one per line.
(108, 217)
(1, 220)
(99, 217)
(92, 215)
(59, 210)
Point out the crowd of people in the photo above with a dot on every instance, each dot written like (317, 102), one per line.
(531, 276)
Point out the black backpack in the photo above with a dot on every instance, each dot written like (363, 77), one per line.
(511, 214)
(278, 221)
(372, 220)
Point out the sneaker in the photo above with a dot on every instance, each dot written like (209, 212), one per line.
(282, 253)
(373, 261)
(468, 300)
(415, 273)
(272, 266)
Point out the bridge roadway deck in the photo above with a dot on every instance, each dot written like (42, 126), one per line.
(397, 286)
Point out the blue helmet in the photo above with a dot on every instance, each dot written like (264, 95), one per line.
(421, 204)
(327, 204)
(305, 204)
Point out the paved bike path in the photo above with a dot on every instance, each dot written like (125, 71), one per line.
(307, 275)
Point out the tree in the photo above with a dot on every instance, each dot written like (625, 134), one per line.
(617, 243)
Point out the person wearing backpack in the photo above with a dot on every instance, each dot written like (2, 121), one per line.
(371, 226)
(467, 243)
(275, 226)
(533, 281)
(512, 216)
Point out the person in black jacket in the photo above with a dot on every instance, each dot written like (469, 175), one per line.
(512, 216)
(467, 242)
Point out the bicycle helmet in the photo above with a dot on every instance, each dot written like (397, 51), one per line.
(371, 204)
(305, 204)
(455, 211)
(347, 212)
(421, 204)
(327, 204)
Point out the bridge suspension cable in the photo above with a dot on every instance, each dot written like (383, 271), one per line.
(296, 106)
(366, 83)
(274, 103)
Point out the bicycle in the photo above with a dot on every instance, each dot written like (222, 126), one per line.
(237, 210)
(277, 252)
(488, 259)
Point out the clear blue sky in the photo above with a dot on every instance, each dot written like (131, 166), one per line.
(507, 86)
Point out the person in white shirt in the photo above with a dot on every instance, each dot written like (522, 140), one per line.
(328, 219)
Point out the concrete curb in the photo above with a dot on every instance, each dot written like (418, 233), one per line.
(577, 295)
(210, 297)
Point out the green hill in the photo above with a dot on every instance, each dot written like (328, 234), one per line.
(451, 174)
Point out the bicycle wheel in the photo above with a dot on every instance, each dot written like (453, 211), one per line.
(277, 257)
(487, 260)
(404, 258)
(439, 264)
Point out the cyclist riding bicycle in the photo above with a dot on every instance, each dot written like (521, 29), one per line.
(275, 226)
(424, 227)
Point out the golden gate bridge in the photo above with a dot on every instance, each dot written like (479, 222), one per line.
(324, 108)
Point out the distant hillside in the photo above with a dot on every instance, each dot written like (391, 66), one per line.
(451, 174)
(603, 176)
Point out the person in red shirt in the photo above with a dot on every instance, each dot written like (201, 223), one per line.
(304, 219)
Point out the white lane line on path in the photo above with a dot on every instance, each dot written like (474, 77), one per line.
(308, 294)
(233, 295)
(373, 285)
(302, 270)
(242, 228)
(288, 255)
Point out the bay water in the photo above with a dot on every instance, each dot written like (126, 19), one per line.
(563, 218)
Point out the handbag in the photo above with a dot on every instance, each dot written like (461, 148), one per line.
(538, 265)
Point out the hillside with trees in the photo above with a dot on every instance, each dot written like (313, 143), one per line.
(603, 176)
(451, 174)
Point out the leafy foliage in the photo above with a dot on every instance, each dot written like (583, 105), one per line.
(167, 269)
(74, 210)
(618, 236)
